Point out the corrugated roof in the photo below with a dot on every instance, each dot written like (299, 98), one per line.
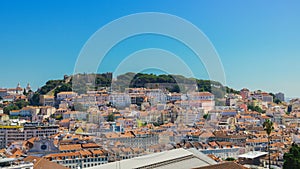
(177, 158)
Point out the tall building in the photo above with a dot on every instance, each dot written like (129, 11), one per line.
(280, 96)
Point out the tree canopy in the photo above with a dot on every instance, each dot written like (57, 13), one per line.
(255, 108)
(111, 117)
(268, 126)
(292, 158)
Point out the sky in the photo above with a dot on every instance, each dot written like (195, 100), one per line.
(258, 42)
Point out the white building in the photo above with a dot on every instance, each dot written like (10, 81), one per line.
(9, 163)
(20, 133)
(200, 96)
(65, 95)
(156, 96)
(173, 96)
(120, 99)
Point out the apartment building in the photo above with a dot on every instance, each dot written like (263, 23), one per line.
(200, 96)
(80, 159)
(9, 134)
(140, 139)
(66, 95)
(120, 99)
(47, 100)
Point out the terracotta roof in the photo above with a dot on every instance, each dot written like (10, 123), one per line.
(3, 150)
(70, 147)
(65, 121)
(257, 140)
(59, 155)
(100, 152)
(90, 145)
(85, 153)
(46, 164)
(16, 153)
(31, 159)
(41, 163)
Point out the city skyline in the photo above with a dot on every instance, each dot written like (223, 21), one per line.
(256, 41)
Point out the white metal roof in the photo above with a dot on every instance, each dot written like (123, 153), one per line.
(186, 159)
(252, 154)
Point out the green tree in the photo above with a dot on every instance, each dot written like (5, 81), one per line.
(58, 117)
(255, 108)
(111, 117)
(230, 159)
(277, 101)
(156, 124)
(35, 99)
(268, 127)
(273, 95)
(9, 108)
(205, 116)
(24, 92)
(63, 88)
(21, 103)
(292, 158)
(175, 88)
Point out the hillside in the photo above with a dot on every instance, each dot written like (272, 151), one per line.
(81, 83)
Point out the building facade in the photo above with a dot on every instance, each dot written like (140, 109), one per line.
(9, 134)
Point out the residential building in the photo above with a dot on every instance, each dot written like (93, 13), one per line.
(172, 97)
(200, 96)
(245, 93)
(267, 97)
(65, 95)
(9, 134)
(140, 139)
(120, 99)
(47, 100)
(80, 159)
(4, 117)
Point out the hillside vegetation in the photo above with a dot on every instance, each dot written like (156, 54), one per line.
(81, 83)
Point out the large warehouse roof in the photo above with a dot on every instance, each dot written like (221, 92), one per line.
(177, 158)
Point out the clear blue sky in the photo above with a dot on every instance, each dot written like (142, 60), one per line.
(257, 41)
